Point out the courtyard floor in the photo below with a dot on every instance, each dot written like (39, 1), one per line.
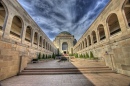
(90, 79)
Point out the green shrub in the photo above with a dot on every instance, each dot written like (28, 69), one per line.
(84, 56)
(43, 56)
(76, 55)
(53, 56)
(71, 55)
(91, 55)
(81, 56)
(39, 56)
(87, 56)
(46, 56)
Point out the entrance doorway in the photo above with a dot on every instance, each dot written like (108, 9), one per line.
(64, 52)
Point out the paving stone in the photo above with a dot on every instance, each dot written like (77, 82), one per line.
(100, 79)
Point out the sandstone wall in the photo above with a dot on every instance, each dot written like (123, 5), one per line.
(114, 49)
(12, 48)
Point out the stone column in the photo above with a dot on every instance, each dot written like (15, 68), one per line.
(122, 22)
(7, 26)
(23, 33)
(32, 37)
(91, 37)
(45, 44)
(42, 44)
(87, 42)
(38, 40)
(107, 32)
(97, 36)
(84, 44)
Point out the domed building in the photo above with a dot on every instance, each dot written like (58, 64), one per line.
(64, 41)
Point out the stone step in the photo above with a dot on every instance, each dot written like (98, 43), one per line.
(45, 70)
(58, 73)
(55, 71)
(67, 68)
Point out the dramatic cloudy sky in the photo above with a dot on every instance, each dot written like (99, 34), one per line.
(55, 16)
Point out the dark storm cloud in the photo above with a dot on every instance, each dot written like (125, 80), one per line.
(54, 16)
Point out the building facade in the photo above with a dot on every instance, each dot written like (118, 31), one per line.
(64, 41)
(21, 39)
(109, 37)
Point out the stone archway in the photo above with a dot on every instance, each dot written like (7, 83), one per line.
(126, 8)
(65, 47)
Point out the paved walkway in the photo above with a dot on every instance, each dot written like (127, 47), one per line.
(101, 79)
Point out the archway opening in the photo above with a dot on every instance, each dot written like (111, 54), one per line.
(2, 15)
(44, 43)
(28, 34)
(101, 32)
(113, 23)
(40, 43)
(16, 27)
(85, 42)
(83, 45)
(127, 11)
(35, 38)
(65, 46)
(94, 37)
(89, 40)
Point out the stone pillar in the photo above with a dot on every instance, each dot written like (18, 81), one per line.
(87, 42)
(42, 44)
(38, 40)
(7, 26)
(23, 33)
(122, 22)
(91, 37)
(32, 37)
(84, 44)
(97, 36)
(107, 32)
(45, 44)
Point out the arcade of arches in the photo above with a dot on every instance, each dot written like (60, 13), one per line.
(20, 37)
(109, 37)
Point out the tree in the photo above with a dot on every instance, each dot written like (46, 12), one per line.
(91, 55)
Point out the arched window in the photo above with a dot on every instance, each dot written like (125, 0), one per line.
(36, 38)
(48, 46)
(64, 46)
(85, 42)
(44, 43)
(126, 8)
(113, 24)
(40, 41)
(101, 32)
(83, 45)
(16, 26)
(2, 16)
(89, 40)
(94, 37)
(28, 34)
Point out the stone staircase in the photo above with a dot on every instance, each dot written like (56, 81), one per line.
(58, 71)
